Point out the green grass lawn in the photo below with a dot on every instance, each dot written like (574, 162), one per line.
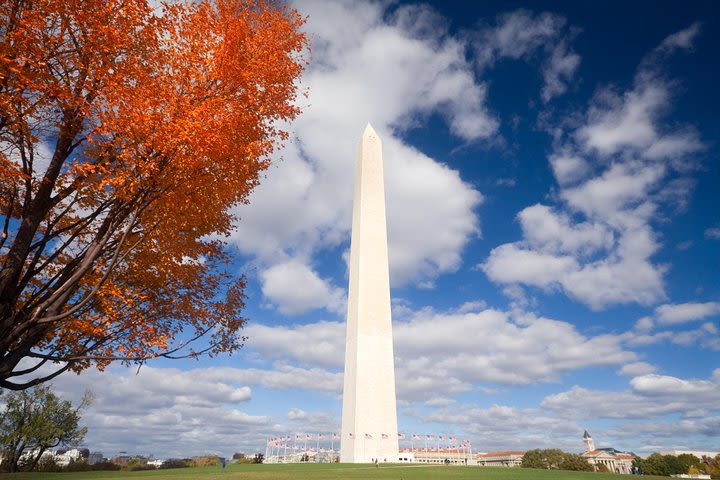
(329, 471)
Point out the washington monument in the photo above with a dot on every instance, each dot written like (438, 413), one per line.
(369, 415)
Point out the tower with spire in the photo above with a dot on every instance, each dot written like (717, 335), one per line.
(589, 443)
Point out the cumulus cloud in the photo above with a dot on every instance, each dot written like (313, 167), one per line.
(296, 288)
(170, 412)
(521, 34)
(673, 314)
(164, 411)
(649, 395)
(432, 357)
(327, 348)
(636, 368)
(615, 168)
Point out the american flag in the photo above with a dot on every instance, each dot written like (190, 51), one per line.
(384, 436)
(442, 438)
(368, 436)
(350, 435)
(321, 436)
(453, 439)
(401, 436)
(416, 437)
(336, 436)
(431, 437)
(298, 437)
(309, 436)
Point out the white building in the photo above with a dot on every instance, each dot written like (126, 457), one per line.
(500, 459)
(615, 463)
(613, 460)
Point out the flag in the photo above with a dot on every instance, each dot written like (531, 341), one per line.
(431, 437)
(336, 436)
(453, 439)
(368, 436)
(384, 436)
(442, 438)
(350, 435)
(321, 436)
(416, 437)
(309, 436)
(298, 437)
(401, 436)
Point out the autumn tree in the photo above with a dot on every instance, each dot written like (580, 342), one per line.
(33, 421)
(126, 134)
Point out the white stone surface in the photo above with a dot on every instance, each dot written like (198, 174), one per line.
(369, 416)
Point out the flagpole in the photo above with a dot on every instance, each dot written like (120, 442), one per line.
(364, 438)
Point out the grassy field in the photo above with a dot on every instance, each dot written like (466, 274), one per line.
(330, 472)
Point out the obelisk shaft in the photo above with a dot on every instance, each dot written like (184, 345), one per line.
(369, 417)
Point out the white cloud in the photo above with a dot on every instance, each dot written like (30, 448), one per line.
(431, 356)
(673, 314)
(326, 349)
(511, 263)
(637, 368)
(618, 122)
(649, 395)
(549, 231)
(568, 167)
(681, 40)
(558, 70)
(520, 34)
(515, 35)
(165, 411)
(712, 233)
(645, 324)
(296, 288)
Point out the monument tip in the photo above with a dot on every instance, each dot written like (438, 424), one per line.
(369, 130)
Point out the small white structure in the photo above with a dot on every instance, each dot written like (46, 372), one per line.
(369, 414)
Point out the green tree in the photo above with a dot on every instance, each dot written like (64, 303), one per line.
(34, 421)
(549, 459)
(687, 460)
(656, 464)
(575, 462)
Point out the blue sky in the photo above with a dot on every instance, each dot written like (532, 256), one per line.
(551, 184)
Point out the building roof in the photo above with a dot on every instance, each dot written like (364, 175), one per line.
(496, 454)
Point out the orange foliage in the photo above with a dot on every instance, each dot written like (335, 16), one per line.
(125, 136)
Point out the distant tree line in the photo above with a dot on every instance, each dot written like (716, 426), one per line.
(666, 465)
(655, 464)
